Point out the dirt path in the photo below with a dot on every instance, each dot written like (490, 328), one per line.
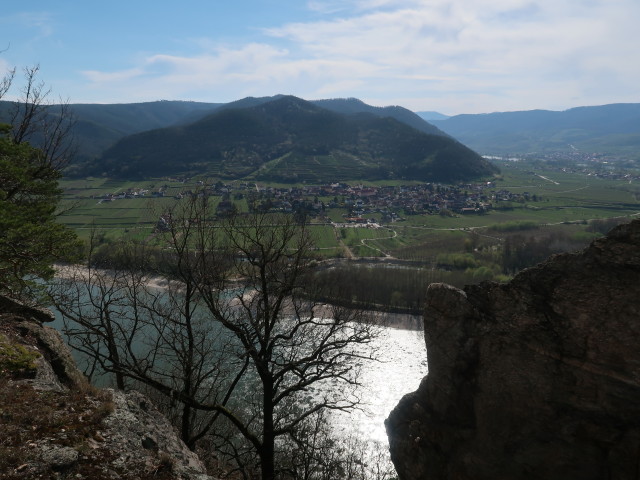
(364, 240)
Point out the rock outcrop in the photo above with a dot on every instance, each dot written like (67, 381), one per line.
(55, 425)
(535, 379)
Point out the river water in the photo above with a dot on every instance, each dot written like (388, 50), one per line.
(400, 366)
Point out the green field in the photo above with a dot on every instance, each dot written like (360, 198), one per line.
(389, 262)
(565, 201)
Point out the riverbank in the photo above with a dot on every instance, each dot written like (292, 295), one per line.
(404, 321)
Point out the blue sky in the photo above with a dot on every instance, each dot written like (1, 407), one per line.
(452, 56)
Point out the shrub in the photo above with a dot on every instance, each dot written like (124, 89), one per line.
(514, 226)
(459, 261)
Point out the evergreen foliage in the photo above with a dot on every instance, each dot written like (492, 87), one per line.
(30, 238)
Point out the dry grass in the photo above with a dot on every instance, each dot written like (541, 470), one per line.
(32, 421)
(30, 418)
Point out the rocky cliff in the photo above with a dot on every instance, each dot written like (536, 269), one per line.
(55, 425)
(535, 379)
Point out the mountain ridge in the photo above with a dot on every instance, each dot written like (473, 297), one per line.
(290, 139)
(611, 129)
(100, 126)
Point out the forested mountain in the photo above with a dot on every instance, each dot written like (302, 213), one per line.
(349, 106)
(353, 105)
(290, 139)
(98, 126)
(612, 129)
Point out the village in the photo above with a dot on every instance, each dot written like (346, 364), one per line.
(358, 204)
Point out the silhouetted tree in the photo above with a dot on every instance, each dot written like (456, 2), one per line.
(237, 340)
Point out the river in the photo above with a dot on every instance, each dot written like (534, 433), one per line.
(400, 366)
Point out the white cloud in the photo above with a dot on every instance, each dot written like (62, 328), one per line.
(492, 46)
(5, 67)
(40, 22)
(98, 77)
(470, 56)
(326, 6)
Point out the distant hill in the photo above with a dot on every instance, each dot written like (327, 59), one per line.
(612, 129)
(429, 116)
(99, 126)
(290, 139)
(350, 106)
(353, 105)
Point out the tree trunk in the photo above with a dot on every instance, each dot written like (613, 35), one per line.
(185, 427)
(267, 452)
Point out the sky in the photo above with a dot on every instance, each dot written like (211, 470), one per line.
(450, 56)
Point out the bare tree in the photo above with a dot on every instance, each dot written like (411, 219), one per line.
(237, 338)
(35, 119)
(146, 336)
(294, 343)
(6, 82)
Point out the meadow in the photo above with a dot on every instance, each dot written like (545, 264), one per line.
(564, 200)
(389, 259)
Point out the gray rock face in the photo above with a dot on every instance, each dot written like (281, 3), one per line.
(131, 439)
(56, 369)
(136, 430)
(56, 357)
(538, 378)
(60, 458)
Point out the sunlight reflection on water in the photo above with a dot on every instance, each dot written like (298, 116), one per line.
(402, 365)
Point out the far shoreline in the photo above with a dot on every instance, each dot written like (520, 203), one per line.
(401, 321)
